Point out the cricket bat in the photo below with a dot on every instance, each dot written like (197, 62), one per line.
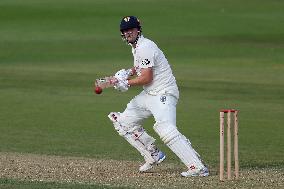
(109, 81)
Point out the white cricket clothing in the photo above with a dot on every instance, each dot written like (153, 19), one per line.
(162, 107)
(147, 55)
(180, 145)
(137, 137)
(158, 99)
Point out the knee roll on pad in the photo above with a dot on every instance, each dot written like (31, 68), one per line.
(136, 136)
(179, 144)
(167, 132)
(119, 125)
(114, 117)
(137, 132)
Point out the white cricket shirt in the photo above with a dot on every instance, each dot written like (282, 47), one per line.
(148, 55)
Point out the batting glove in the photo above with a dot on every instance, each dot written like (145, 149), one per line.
(122, 85)
(122, 74)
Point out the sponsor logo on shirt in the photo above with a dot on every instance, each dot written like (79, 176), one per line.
(145, 62)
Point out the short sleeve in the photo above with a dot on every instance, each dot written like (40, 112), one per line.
(146, 58)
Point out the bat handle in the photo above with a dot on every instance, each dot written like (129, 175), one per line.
(113, 81)
(129, 72)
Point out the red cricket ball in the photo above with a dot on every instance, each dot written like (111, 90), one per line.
(98, 90)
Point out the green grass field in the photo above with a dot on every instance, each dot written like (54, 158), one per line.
(224, 54)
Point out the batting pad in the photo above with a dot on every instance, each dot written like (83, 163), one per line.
(180, 145)
(136, 137)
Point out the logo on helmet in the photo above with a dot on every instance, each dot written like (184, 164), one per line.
(129, 22)
(126, 19)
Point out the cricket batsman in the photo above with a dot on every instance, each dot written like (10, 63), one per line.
(158, 98)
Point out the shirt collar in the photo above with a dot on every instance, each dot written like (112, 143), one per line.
(141, 38)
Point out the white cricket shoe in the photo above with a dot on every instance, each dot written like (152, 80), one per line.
(160, 157)
(196, 173)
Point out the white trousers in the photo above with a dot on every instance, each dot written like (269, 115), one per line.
(163, 108)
